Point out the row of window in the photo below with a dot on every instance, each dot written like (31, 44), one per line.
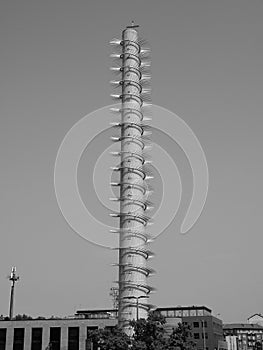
(101, 315)
(201, 324)
(184, 313)
(250, 331)
(249, 336)
(199, 336)
(197, 324)
(249, 342)
(37, 335)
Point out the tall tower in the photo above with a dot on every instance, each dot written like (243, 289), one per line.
(133, 184)
(13, 278)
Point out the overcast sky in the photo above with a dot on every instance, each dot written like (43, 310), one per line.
(207, 68)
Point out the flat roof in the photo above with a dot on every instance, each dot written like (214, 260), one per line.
(96, 311)
(242, 326)
(167, 308)
(193, 307)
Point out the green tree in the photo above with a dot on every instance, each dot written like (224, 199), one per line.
(258, 345)
(149, 334)
(181, 338)
(113, 339)
(22, 317)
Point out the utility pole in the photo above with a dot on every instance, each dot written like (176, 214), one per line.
(204, 333)
(133, 239)
(13, 278)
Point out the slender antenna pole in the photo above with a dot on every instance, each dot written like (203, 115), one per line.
(13, 278)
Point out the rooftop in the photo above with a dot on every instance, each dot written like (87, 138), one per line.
(255, 315)
(170, 311)
(247, 326)
(186, 308)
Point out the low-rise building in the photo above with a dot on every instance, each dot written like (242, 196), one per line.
(73, 333)
(247, 336)
(53, 334)
(207, 330)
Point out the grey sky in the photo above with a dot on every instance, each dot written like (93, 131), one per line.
(207, 68)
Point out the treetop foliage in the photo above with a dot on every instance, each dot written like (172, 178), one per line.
(148, 334)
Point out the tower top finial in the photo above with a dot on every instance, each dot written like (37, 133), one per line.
(133, 25)
(13, 276)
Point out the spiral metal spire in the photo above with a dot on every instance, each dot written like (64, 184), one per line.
(133, 185)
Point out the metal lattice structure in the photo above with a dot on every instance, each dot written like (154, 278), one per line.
(133, 185)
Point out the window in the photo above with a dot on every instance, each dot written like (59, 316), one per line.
(89, 344)
(196, 324)
(54, 338)
(178, 313)
(170, 313)
(2, 338)
(196, 336)
(206, 335)
(18, 341)
(36, 343)
(73, 338)
(204, 323)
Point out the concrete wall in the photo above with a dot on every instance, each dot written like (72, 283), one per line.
(231, 341)
(211, 333)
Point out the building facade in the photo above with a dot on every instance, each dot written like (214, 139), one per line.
(57, 334)
(232, 342)
(73, 333)
(247, 336)
(207, 330)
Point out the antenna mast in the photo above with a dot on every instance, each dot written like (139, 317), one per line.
(13, 278)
